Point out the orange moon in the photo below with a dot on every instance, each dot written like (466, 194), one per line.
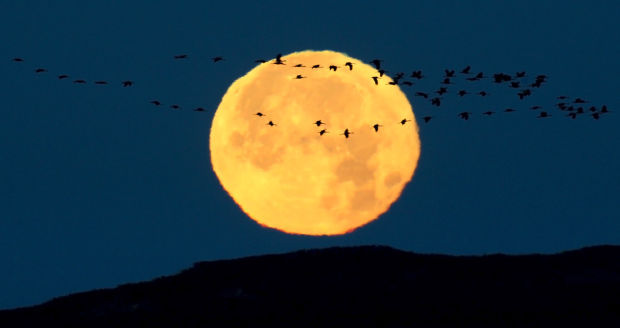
(288, 176)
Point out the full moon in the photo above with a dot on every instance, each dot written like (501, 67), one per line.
(269, 154)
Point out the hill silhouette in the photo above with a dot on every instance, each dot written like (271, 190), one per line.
(369, 286)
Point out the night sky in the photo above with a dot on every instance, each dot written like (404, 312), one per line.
(98, 187)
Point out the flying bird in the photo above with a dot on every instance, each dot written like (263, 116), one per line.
(427, 118)
(422, 94)
(278, 60)
(271, 123)
(347, 133)
(604, 109)
(350, 65)
(436, 102)
(441, 91)
(376, 127)
(515, 84)
(466, 70)
(464, 115)
(449, 73)
(483, 93)
(155, 102)
(18, 60)
(199, 109)
(446, 81)
(319, 123)
(509, 110)
(333, 67)
(40, 70)
(63, 76)
(180, 56)
(299, 65)
(520, 74)
(404, 120)
(543, 115)
(596, 116)
(408, 83)
(535, 107)
(101, 82)
(417, 74)
(175, 106)
(579, 101)
(299, 77)
(127, 83)
(322, 132)
(79, 81)
(377, 63)
(316, 66)
(376, 79)
(462, 93)
(381, 72)
(217, 59)
(488, 113)
(259, 114)
(572, 115)
(261, 61)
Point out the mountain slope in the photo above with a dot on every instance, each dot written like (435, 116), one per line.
(358, 286)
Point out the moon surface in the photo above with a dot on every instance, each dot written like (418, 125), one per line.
(288, 176)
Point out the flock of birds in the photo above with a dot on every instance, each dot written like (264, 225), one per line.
(571, 107)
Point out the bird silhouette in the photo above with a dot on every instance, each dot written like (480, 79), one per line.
(316, 66)
(155, 102)
(483, 93)
(319, 123)
(535, 107)
(579, 101)
(408, 83)
(592, 109)
(404, 120)
(376, 127)
(347, 133)
(333, 67)
(476, 78)
(63, 76)
(261, 61)
(441, 91)
(596, 116)
(217, 59)
(175, 106)
(278, 60)
(299, 65)
(543, 115)
(322, 132)
(79, 81)
(101, 82)
(520, 74)
(18, 60)
(572, 115)
(422, 94)
(377, 63)
(427, 119)
(183, 56)
(464, 115)
(271, 123)
(299, 77)
(417, 74)
(488, 113)
(40, 70)
(446, 81)
(376, 79)
(515, 84)
(381, 72)
(259, 114)
(462, 93)
(449, 73)
(466, 70)
(436, 102)
(604, 109)
(199, 109)
(509, 110)
(127, 83)
(350, 65)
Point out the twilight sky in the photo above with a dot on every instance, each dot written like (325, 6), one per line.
(98, 187)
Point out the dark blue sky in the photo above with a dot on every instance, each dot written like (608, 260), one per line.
(98, 187)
